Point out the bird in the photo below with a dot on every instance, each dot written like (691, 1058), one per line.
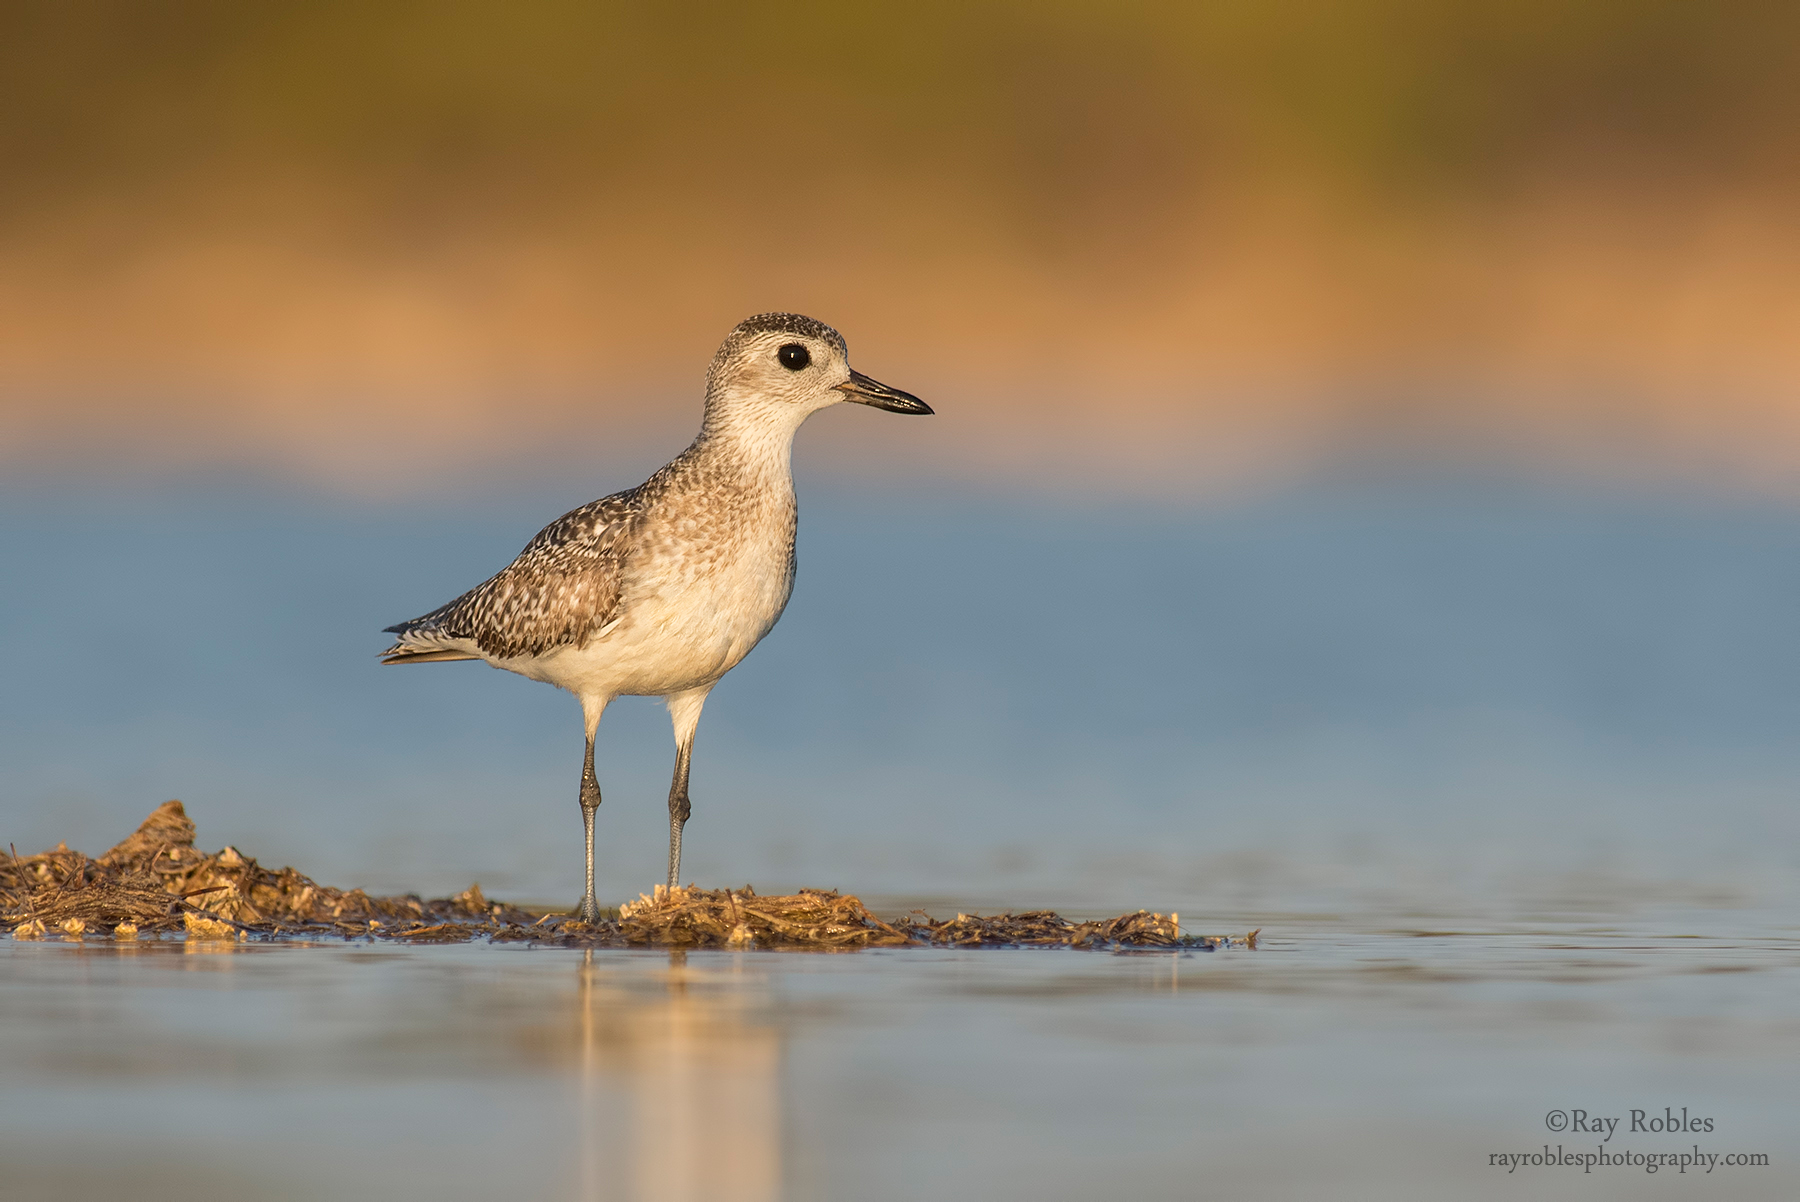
(660, 590)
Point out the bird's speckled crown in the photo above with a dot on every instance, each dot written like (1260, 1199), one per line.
(796, 324)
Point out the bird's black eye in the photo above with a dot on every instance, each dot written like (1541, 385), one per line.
(793, 356)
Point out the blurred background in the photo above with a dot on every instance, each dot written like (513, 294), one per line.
(1365, 461)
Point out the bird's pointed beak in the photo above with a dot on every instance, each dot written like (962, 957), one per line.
(864, 391)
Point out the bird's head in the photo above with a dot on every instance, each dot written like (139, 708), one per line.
(777, 369)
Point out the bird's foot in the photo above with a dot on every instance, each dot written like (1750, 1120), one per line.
(588, 911)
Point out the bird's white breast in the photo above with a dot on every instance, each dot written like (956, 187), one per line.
(708, 579)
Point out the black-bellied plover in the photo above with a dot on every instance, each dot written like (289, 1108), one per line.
(660, 590)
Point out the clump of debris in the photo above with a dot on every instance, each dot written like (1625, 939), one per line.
(157, 882)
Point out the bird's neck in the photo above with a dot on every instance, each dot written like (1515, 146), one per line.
(758, 450)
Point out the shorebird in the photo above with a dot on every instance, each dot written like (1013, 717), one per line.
(660, 590)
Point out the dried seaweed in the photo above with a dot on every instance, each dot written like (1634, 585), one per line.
(157, 881)
(1044, 928)
(692, 917)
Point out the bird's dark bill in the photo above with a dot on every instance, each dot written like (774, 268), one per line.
(863, 390)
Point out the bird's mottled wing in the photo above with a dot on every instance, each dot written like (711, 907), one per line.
(563, 587)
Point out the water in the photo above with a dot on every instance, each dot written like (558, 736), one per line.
(1116, 703)
(1504, 772)
(1370, 1056)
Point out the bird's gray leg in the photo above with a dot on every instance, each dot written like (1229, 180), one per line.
(590, 801)
(679, 809)
(589, 910)
(684, 715)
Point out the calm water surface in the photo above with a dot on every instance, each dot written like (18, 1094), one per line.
(1369, 1056)
(1505, 774)
(1346, 684)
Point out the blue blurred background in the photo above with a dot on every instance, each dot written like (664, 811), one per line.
(1435, 684)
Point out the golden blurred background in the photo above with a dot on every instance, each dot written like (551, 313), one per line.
(376, 246)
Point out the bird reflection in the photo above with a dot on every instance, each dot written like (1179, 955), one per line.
(682, 1057)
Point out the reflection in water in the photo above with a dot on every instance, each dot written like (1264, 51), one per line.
(702, 1078)
(1369, 1055)
(200, 947)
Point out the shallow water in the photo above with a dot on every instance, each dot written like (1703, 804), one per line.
(1347, 683)
(1349, 1056)
(1504, 774)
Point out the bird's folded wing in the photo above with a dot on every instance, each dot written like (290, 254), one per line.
(560, 590)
